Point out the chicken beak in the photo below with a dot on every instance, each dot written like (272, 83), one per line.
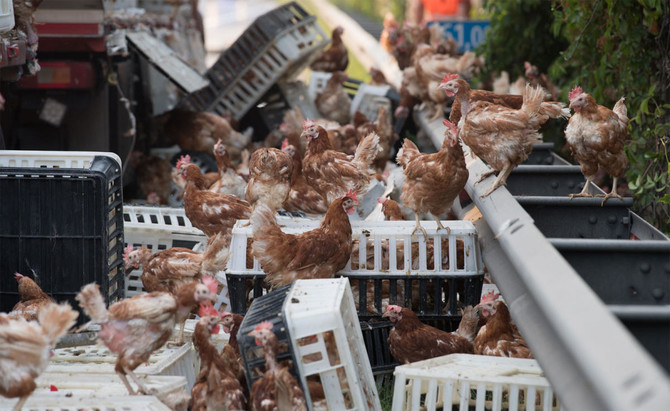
(386, 314)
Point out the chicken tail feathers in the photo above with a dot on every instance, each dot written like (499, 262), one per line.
(554, 109)
(56, 319)
(366, 152)
(532, 99)
(620, 109)
(92, 303)
(406, 153)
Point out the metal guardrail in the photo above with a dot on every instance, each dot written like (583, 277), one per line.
(591, 359)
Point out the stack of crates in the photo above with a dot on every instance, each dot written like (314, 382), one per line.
(315, 321)
(444, 271)
(61, 223)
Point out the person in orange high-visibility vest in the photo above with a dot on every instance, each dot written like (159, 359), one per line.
(421, 11)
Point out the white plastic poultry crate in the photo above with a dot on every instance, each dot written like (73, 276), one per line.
(467, 381)
(65, 391)
(96, 359)
(325, 332)
(385, 238)
(278, 44)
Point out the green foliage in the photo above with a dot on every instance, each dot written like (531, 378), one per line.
(621, 48)
(519, 32)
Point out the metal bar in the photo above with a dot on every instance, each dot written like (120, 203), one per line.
(591, 360)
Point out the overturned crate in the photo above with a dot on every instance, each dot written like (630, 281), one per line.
(278, 44)
(61, 222)
(316, 323)
(464, 381)
(444, 274)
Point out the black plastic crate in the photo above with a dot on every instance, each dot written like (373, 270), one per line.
(266, 308)
(65, 225)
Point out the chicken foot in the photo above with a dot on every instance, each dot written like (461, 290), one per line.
(611, 194)
(141, 387)
(484, 176)
(439, 224)
(585, 191)
(500, 181)
(19, 404)
(418, 227)
(180, 339)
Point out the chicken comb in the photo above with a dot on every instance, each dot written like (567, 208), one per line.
(284, 144)
(451, 126)
(127, 251)
(382, 200)
(183, 160)
(489, 297)
(18, 276)
(448, 77)
(265, 325)
(207, 310)
(211, 283)
(225, 313)
(307, 124)
(352, 195)
(575, 93)
(526, 65)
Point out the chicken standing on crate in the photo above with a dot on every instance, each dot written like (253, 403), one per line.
(25, 348)
(318, 253)
(199, 131)
(277, 389)
(499, 336)
(333, 102)
(31, 299)
(210, 212)
(410, 340)
(333, 173)
(216, 386)
(136, 327)
(335, 57)
(501, 136)
(269, 178)
(597, 136)
(302, 196)
(390, 209)
(433, 181)
(229, 182)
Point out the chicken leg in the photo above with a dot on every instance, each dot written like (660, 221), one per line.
(585, 190)
(19, 404)
(418, 227)
(439, 224)
(500, 181)
(611, 194)
(125, 382)
(180, 339)
(484, 176)
(141, 387)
